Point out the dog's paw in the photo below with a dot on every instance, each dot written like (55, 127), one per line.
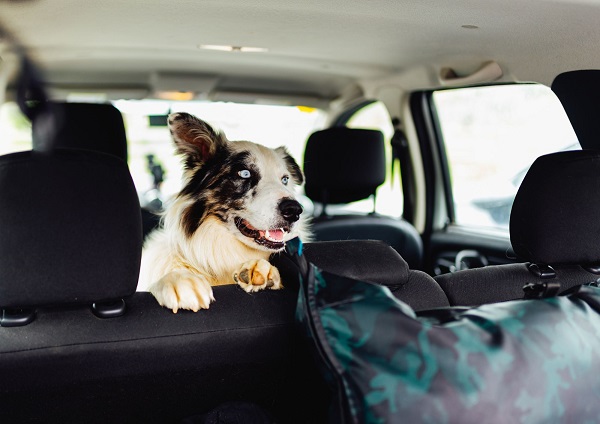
(257, 275)
(183, 290)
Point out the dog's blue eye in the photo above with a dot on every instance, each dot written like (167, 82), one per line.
(285, 180)
(244, 173)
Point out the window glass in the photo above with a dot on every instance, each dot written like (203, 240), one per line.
(272, 126)
(15, 129)
(389, 199)
(149, 145)
(492, 135)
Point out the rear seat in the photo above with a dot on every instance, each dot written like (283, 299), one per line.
(71, 238)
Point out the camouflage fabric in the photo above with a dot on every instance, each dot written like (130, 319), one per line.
(526, 361)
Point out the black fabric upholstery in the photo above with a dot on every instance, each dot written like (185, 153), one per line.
(554, 218)
(373, 261)
(89, 126)
(365, 260)
(579, 91)
(70, 229)
(498, 283)
(421, 292)
(153, 366)
(343, 165)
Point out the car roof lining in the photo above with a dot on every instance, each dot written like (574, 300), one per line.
(316, 48)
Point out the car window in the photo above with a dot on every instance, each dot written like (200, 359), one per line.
(491, 136)
(150, 148)
(389, 199)
(270, 125)
(15, 129)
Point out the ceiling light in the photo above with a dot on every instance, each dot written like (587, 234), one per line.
(226, 48)
(175, 95)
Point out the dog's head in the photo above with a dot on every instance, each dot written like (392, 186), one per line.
(247, 186)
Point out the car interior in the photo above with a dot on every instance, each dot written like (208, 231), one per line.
(450, 153)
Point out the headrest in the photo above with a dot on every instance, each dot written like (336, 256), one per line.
(89, 126)
(70, 229)
(555, 218)
(343, 165)
(364, 260)
(579, 91)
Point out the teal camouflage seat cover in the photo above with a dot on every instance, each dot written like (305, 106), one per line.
(525, 361)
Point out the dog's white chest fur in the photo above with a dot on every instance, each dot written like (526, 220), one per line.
(213, 253)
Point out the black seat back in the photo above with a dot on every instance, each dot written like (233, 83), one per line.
(344, 165)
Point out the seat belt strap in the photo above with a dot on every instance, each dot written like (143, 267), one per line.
(401, 159)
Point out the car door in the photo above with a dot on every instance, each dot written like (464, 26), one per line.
(477, 144)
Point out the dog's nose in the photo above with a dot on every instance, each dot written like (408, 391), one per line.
(290, 210)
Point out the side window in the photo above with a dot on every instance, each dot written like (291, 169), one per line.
(15, 129)
(492, 135)
(389, 199)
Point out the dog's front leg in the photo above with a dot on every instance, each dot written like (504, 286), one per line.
(183, 290)
(257, 274)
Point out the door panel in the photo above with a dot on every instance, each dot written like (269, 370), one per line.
(451, 250)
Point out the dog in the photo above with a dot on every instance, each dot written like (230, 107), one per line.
(237, 207)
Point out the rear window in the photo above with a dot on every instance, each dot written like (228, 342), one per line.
(272, 126)
(150, 146)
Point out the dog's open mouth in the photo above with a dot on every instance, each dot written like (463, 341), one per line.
(273, 239)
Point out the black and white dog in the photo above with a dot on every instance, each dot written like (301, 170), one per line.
(236, 208)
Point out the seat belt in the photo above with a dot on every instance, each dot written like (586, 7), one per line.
(33, 102)
(401, 158)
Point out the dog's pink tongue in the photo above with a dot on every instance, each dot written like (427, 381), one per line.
(275, 235)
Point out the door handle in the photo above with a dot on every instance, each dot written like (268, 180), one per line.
(466, 259)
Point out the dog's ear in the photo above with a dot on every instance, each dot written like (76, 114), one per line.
(194, 139)
(292, 165)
